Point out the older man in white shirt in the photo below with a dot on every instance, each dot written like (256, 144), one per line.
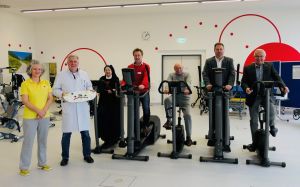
(75, 116)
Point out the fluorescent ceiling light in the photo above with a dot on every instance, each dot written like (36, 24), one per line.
(222, 1)
(133, 5)
(140, 5)
(69, 9)
(180, 3)
(103, 7)
(37, 11)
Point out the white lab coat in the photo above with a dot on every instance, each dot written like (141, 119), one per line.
(75, 116)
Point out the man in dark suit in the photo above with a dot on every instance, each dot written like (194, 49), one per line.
(259, 71)
(218, 61)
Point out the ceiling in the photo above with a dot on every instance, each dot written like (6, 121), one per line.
(15, 6)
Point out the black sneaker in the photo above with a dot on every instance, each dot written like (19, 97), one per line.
(251, 148)
(89, 159)
(273, 131)
(226, 148)
(188, 141)
(64, 162)
(122, 143)
(168, 125)
(211, 142)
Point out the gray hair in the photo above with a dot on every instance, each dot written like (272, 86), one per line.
(29, 68)
(73, 56)
(261, 51)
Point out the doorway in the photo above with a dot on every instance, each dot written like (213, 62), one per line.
(190, 64)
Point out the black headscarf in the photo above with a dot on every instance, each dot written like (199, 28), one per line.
(113, 73)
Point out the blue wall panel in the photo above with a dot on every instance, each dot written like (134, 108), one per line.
(293, 84)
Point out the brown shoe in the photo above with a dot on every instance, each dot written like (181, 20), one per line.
(168, 125)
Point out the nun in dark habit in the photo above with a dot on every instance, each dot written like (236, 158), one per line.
(108, 108)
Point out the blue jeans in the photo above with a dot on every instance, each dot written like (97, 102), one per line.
(86, 144)
(146, 108)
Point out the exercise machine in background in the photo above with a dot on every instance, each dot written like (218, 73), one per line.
(7, 119)
(10, 104)
(203, 105)
(237, 104)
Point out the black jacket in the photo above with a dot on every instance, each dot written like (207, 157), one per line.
(249, 78)
(228, 74)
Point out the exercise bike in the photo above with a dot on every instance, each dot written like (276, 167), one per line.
(136, 140)
(10, 106)
(203, 106)
(219, 127)
(178, 134)
(261, 140)
(98, 149)
(201, 96)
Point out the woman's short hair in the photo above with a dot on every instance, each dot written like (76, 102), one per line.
(29, 67)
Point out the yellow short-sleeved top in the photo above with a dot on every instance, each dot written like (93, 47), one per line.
(37, 95)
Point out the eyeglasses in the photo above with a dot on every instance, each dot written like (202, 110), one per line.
(259, 56)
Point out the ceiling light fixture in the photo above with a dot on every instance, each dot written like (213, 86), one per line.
(181, 3)
(221, 1)
(103, 7)
(133, 5)
(69, 9)
(38, 11)
(141, 5)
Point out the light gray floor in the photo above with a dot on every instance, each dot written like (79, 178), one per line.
(106, 172)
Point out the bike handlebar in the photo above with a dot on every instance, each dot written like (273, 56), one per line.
(124, 90)
(172, 84)
(269, 84)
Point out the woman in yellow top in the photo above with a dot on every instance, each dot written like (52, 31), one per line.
(37, 97)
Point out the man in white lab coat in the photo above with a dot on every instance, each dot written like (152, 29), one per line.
(75, 116)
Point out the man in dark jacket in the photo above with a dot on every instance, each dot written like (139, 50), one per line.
(218, 61)
(259, 71)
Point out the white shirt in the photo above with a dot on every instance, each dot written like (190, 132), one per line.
(219, 62)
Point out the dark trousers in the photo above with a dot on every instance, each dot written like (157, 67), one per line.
(254, 115)
(146, 108)
(86, 144)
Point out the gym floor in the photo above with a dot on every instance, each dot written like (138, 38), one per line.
(105, 172)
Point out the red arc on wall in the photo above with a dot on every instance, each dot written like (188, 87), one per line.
(89, 49)
(276, 51)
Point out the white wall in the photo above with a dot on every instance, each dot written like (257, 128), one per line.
(15, 30)
(115, 36)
